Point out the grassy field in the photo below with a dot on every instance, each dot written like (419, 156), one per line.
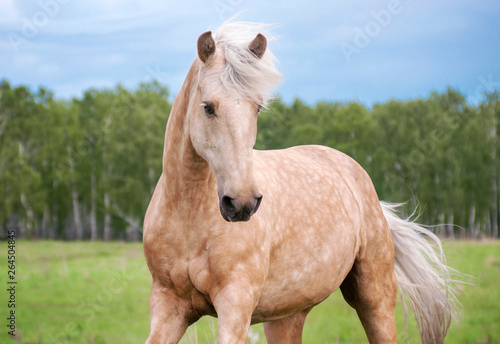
(86, 292)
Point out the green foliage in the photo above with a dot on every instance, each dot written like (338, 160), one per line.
(86, 168)
(74, 292)
(61, 160)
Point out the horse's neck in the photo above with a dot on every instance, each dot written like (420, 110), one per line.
(182, 166)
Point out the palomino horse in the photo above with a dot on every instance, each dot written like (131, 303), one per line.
(264, 236)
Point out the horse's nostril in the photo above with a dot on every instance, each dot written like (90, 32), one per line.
(233, 209)
(228, 205)
(258, 199)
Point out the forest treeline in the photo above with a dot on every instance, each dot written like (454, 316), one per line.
(85, 168)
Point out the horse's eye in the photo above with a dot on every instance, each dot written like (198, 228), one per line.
(209, 109)
(259, 107)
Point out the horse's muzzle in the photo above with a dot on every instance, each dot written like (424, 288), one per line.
(234, 209)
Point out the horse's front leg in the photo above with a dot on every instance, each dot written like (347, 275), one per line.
(235, 304)
(287, 330)
(170, 315)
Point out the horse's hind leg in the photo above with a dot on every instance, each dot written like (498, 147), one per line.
(371, 289)
(287, 330)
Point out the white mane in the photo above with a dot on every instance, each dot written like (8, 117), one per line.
(245, 74)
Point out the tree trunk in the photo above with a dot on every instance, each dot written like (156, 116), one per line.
(132, 231)
(472, 220)
(45, 223)
(76, 215)
(77, 222)
(442, 225)
(494, 208)
(26, 228)
(107, 218)
(55, 221)
(488, 224)
(107, 202)
(450, 225)
(93, 216)
(494, 182)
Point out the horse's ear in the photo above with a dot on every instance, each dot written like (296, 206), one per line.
(206, 46)
(258, 46)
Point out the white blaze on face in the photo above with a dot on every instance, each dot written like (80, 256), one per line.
(223, 131)
(225, 138)
(223, 128)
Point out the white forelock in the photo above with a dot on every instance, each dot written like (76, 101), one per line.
(246, 75)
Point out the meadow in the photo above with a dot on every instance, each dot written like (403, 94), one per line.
(96, 292)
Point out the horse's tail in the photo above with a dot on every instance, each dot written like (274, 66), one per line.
(422, 274)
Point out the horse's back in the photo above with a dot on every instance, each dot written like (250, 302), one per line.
(317, 175)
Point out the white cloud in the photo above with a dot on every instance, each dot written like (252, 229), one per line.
(99, 43)
(8, 12)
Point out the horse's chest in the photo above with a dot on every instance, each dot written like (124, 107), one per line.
(168, 263)
(177, 257)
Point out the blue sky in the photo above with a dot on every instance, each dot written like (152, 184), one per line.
(365, 50)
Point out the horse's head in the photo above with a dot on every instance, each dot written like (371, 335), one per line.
(223, 118)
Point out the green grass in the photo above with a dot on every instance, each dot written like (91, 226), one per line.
(86, 292)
